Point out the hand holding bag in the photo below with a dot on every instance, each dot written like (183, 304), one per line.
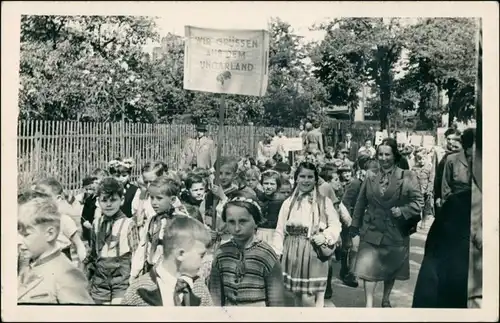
(324, 251)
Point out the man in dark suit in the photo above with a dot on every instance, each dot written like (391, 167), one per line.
(348, 144)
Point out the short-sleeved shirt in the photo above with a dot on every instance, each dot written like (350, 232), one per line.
(66, 232)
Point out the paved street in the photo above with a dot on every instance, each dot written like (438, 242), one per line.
(402, 294)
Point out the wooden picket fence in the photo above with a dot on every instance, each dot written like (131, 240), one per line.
(69, 150)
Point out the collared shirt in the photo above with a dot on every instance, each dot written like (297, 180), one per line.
(166, 283)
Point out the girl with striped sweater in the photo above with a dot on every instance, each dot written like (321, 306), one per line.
(246, 271)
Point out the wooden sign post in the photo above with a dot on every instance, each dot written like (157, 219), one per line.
(220, 138)
(226, 61)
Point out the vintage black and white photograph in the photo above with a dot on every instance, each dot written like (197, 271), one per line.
(256, 158)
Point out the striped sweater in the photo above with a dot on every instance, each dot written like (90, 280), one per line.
(245, 278)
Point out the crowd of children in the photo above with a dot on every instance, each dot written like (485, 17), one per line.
(174, 238)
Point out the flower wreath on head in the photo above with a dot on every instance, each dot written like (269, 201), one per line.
(244, 199)
(128, 163)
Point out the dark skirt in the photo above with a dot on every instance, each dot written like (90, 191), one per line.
(382, 263)
(442, 279)
(303, 272)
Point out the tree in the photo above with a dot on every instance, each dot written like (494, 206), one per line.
(359, 50)
(82, 67)
(442, 56)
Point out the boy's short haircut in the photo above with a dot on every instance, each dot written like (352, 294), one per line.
(182, 232)
(110, 186)
(203, 172)
(50, 183)
(327, 173)
(253, 173)
(278, 158)
(88, 180)
(99, 172)
(270, 163)
(228, 160)
(38, 211)
(159, 168)
(29, 195)
(166, 185)
(277, 130)
(192, 179)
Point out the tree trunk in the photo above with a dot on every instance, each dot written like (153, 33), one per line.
(385, 104)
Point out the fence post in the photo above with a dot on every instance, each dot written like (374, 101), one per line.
(38, 151)
(252, 139)
(122, 138)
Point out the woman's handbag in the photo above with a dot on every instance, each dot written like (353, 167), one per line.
(324, 251)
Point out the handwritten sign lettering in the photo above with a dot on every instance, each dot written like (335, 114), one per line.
(228, 61)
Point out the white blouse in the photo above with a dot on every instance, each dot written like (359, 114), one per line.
(302, 215)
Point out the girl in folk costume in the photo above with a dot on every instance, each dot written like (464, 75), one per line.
(122, 170)
(114, 239)
(246, 271)
(193, 194)
(149, 173)
(307, 223)
(270, 200)
(163, 195)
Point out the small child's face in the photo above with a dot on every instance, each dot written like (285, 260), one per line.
(91, 188)
(311, 159)
(110, 204)
(122, 176)
(197, 191)
(252, 182)
(346, 176)
(160, 202)
(191, 259)
(37, 239)
(286, 189)
(335, 182)
(240, 223)
(226, 175)
(148, 177)
(269, 185)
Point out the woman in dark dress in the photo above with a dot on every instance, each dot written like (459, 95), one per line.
(442, 279)
(389, 198)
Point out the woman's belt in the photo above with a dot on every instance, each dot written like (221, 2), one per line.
(292, 230)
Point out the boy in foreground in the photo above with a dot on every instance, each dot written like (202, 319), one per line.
(50, 278)
(173, 280)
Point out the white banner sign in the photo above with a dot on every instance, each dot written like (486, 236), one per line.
(401, 137)
(292, 144)
(428, 141)
(227, 61)
(416, 140)
(441, 139)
